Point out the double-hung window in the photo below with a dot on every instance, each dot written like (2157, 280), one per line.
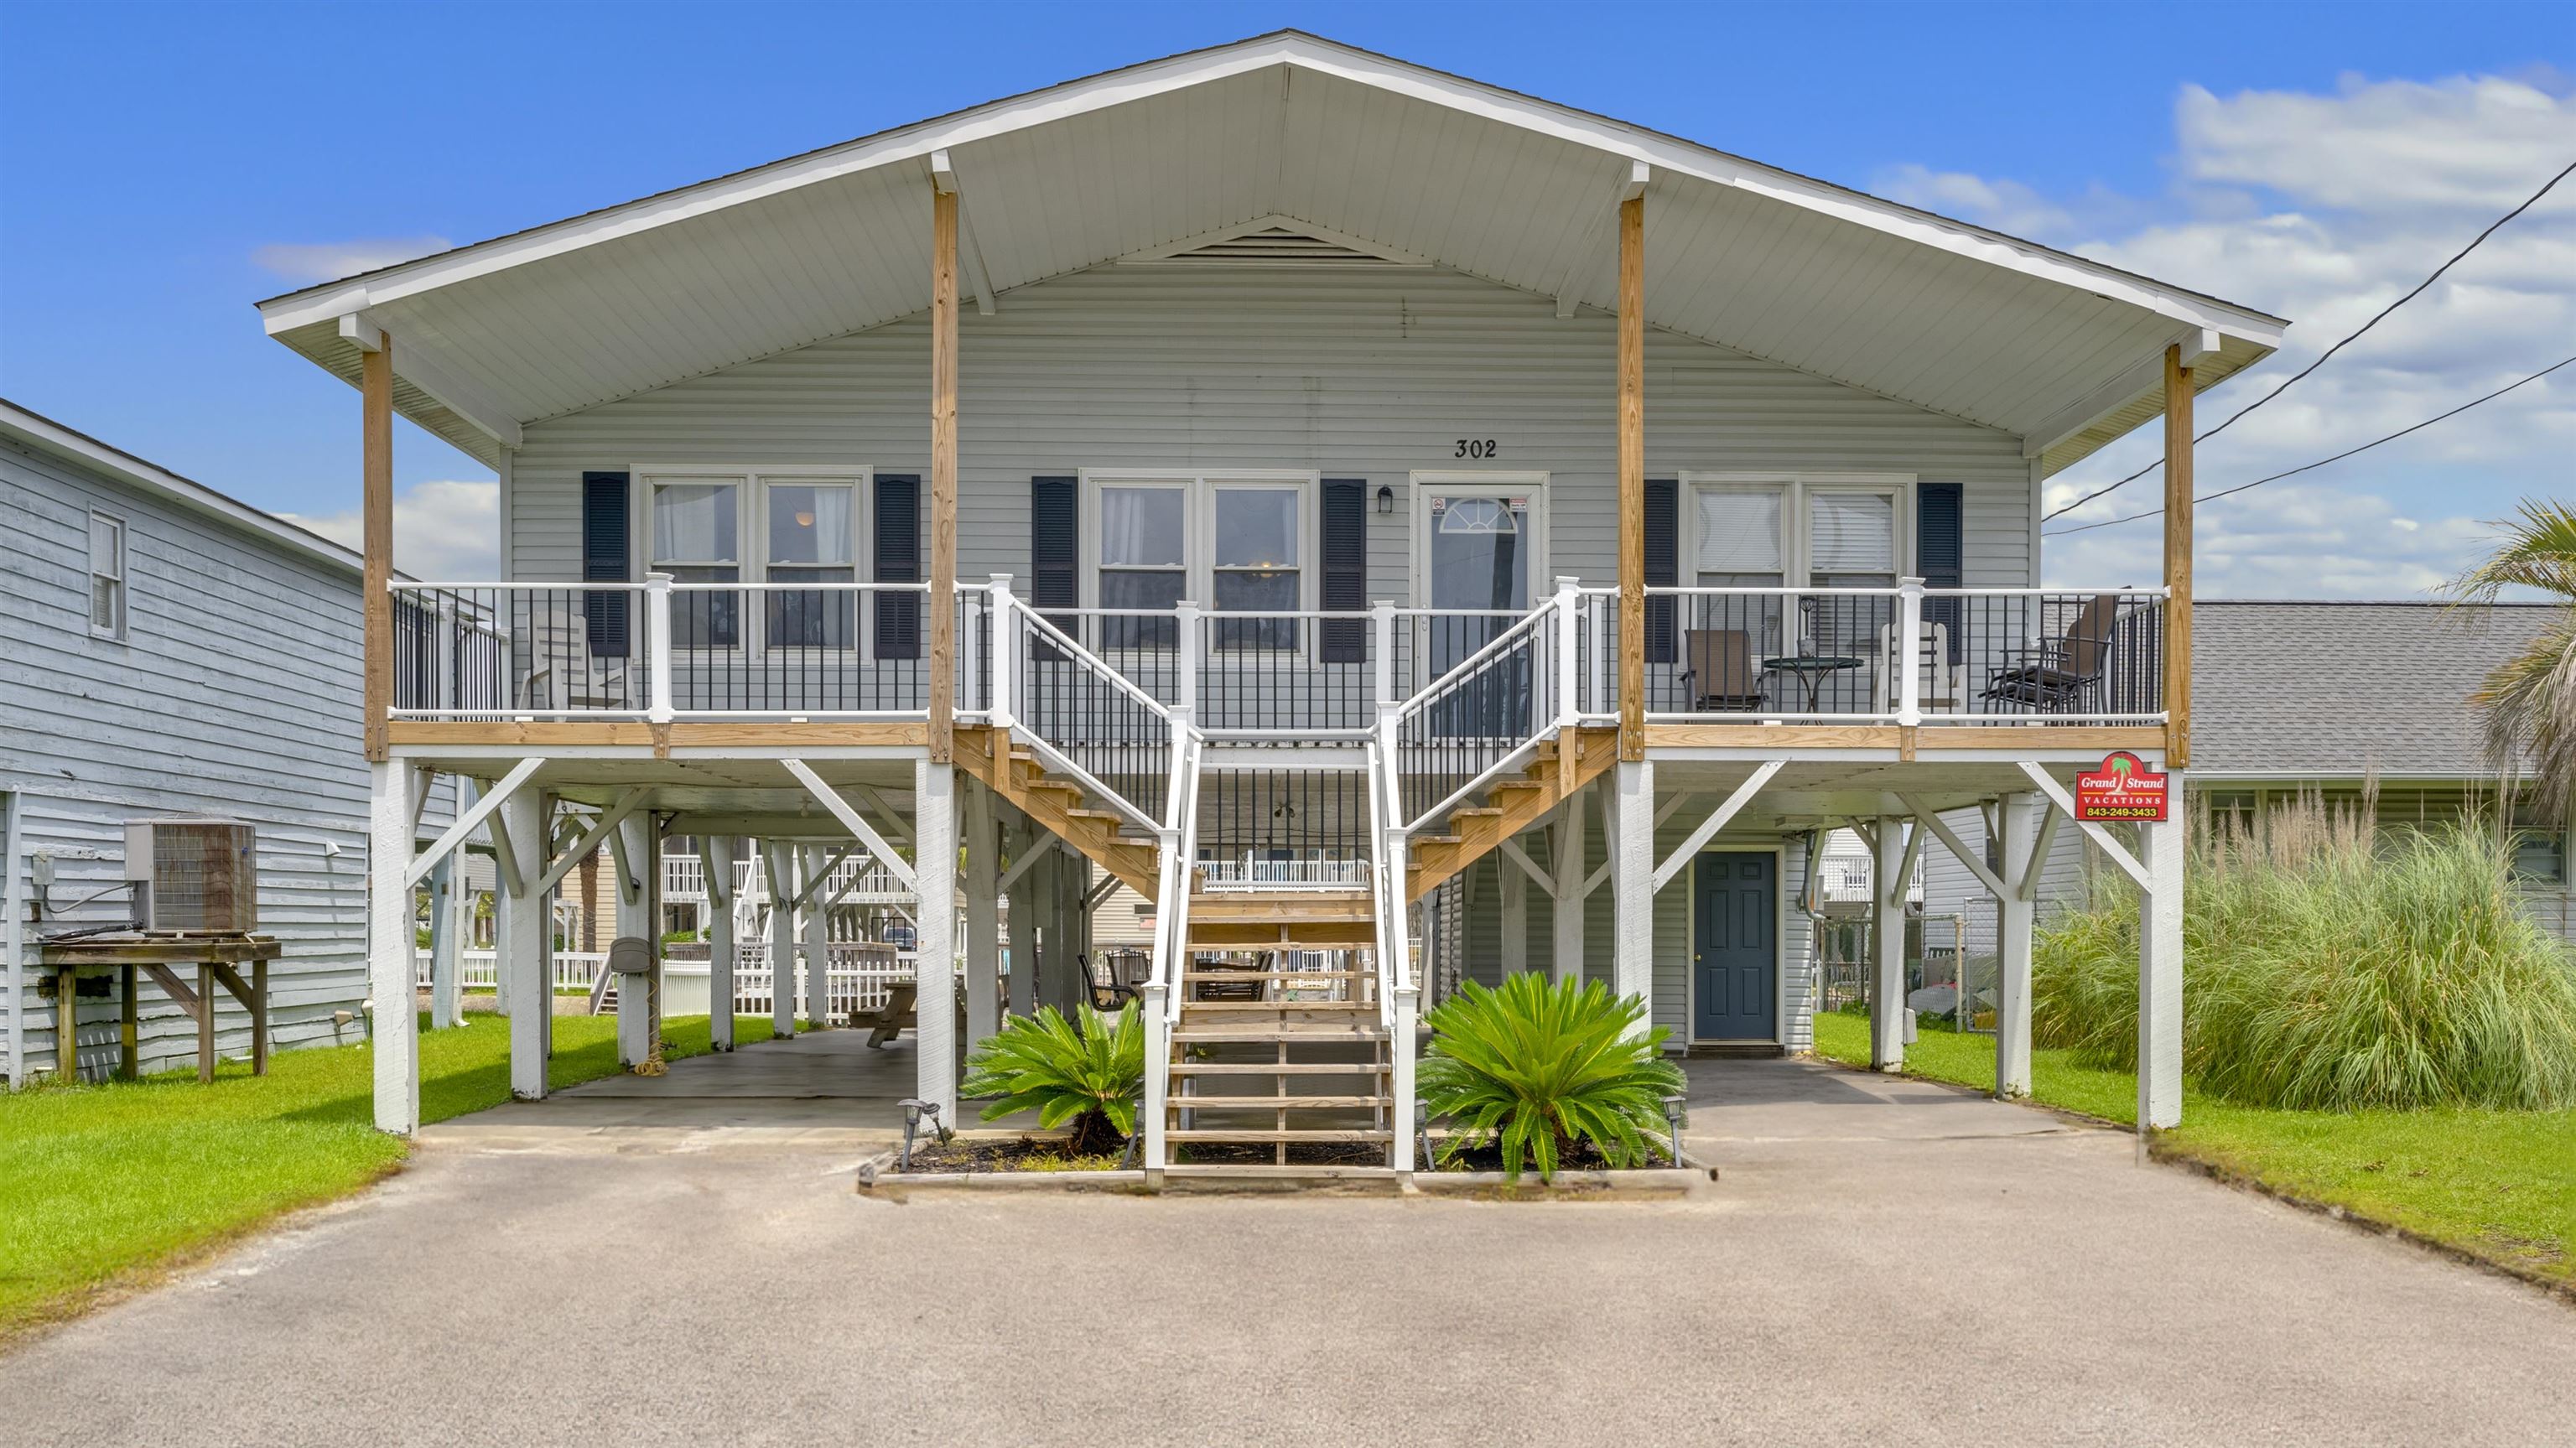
(697, 538)
(106, 576)
(813, 538)
(752, 527)
(1800, 531)
(1234, 545)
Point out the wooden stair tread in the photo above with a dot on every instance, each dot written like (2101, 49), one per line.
(1266, 977)
(1310, 1133)
(1265, 1034)
(1278, 1103)
(1214, 1008)
(1272, 1068)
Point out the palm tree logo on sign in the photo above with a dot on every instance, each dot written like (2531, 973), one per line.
(2122, 789)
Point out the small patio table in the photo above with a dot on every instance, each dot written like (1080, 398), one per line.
(1811, 670)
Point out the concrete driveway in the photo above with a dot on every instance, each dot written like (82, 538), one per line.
(1883, 1261)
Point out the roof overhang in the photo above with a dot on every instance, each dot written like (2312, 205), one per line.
(2049, 347)
(43, 434)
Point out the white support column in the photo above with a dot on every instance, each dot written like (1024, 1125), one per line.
(520, 939)
(778, 864)
(720, 942)
(1515, 915)
(2160, 970)
(2017, 826)
(1887, 915)
(1568, 867)
(389, 948)
(935, 871)
(983, 917)
(1632, 883)
(632, 858)
(817, 955)
(445, 1004)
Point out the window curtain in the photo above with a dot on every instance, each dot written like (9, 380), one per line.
(1140, 528)
(1851, 533)
(694, 522)
(1739, 531)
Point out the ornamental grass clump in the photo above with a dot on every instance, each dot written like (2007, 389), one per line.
(2326, 966)
(1089, 1076)
(1536, 1069)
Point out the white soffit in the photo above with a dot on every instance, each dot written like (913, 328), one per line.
(1284, 150)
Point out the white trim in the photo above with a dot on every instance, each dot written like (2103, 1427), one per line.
(458, 394)
(1424, 483)
(1778, 850)
(1118, 87)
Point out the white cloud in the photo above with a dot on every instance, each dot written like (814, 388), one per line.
(305, 263)
(443, 530)
(2325, 208)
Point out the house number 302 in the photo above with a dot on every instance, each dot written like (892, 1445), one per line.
(1479, 447)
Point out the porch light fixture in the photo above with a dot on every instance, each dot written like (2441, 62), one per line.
(1385, 499)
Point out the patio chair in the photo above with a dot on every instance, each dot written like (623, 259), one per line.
(1721, 675)
(1941, 686)
(2062, 675)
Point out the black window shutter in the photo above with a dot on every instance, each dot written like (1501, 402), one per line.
(898, 560)
(1345, 576)
(1663, 564)
(1940, 548)
(1055, 548)
(604, 553)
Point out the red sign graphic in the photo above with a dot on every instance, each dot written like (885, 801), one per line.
(2122, 789)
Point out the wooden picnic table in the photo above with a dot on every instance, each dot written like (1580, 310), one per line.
(160, 955)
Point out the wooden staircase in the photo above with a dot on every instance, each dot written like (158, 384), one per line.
(1109, 839)
(1563, 764)
(1266, 1058)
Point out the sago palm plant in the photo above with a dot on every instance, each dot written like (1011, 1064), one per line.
(1537, 1068)
(1088, 1076)
(2530, 699)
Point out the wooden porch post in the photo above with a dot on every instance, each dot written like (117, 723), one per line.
(942, 604)
(376, 517)
(2177, 680)
(1632, 478)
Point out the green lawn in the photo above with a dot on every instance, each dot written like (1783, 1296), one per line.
(105, 1185)
(2498, 1184)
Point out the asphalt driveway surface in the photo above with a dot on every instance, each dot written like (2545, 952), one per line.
(1882, 1261)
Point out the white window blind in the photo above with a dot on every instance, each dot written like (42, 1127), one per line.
(1851, 533)
(1739, 531)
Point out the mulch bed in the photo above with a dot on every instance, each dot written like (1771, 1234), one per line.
(1027, 1153)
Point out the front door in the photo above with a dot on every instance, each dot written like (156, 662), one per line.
(1478, 571)
(1734, 955)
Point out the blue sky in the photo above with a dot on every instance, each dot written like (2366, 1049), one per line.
(165, 166)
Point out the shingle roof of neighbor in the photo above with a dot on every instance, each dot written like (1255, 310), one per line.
(2340, 688)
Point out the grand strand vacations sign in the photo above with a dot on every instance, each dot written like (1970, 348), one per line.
(2122, 789)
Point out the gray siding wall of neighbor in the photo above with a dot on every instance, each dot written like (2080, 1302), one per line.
(1368, 374)
(234, 693)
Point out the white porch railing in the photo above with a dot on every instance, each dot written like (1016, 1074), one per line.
(1905, 655)
(856, 880)
(1326, 874)
(857, 980)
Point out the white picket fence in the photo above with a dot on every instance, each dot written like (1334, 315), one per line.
(479, 969)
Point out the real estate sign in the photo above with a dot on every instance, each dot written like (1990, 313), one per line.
(2122, 789)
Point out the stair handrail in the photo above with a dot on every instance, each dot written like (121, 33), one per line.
(1014, 612)
(1398, 997)
(1547, 712)
(1167, 986)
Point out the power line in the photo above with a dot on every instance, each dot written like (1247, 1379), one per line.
(2321, 462)
(2330, 351)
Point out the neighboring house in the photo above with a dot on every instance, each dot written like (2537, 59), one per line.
(166, 650)
(2333, 699)
(1267, 425)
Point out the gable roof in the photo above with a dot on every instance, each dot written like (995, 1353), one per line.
(1390, 157)
(42, 434)
(2335, 690)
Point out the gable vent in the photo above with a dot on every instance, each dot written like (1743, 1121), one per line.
(1274, 242)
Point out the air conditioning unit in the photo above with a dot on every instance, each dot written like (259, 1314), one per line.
(199, 875)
